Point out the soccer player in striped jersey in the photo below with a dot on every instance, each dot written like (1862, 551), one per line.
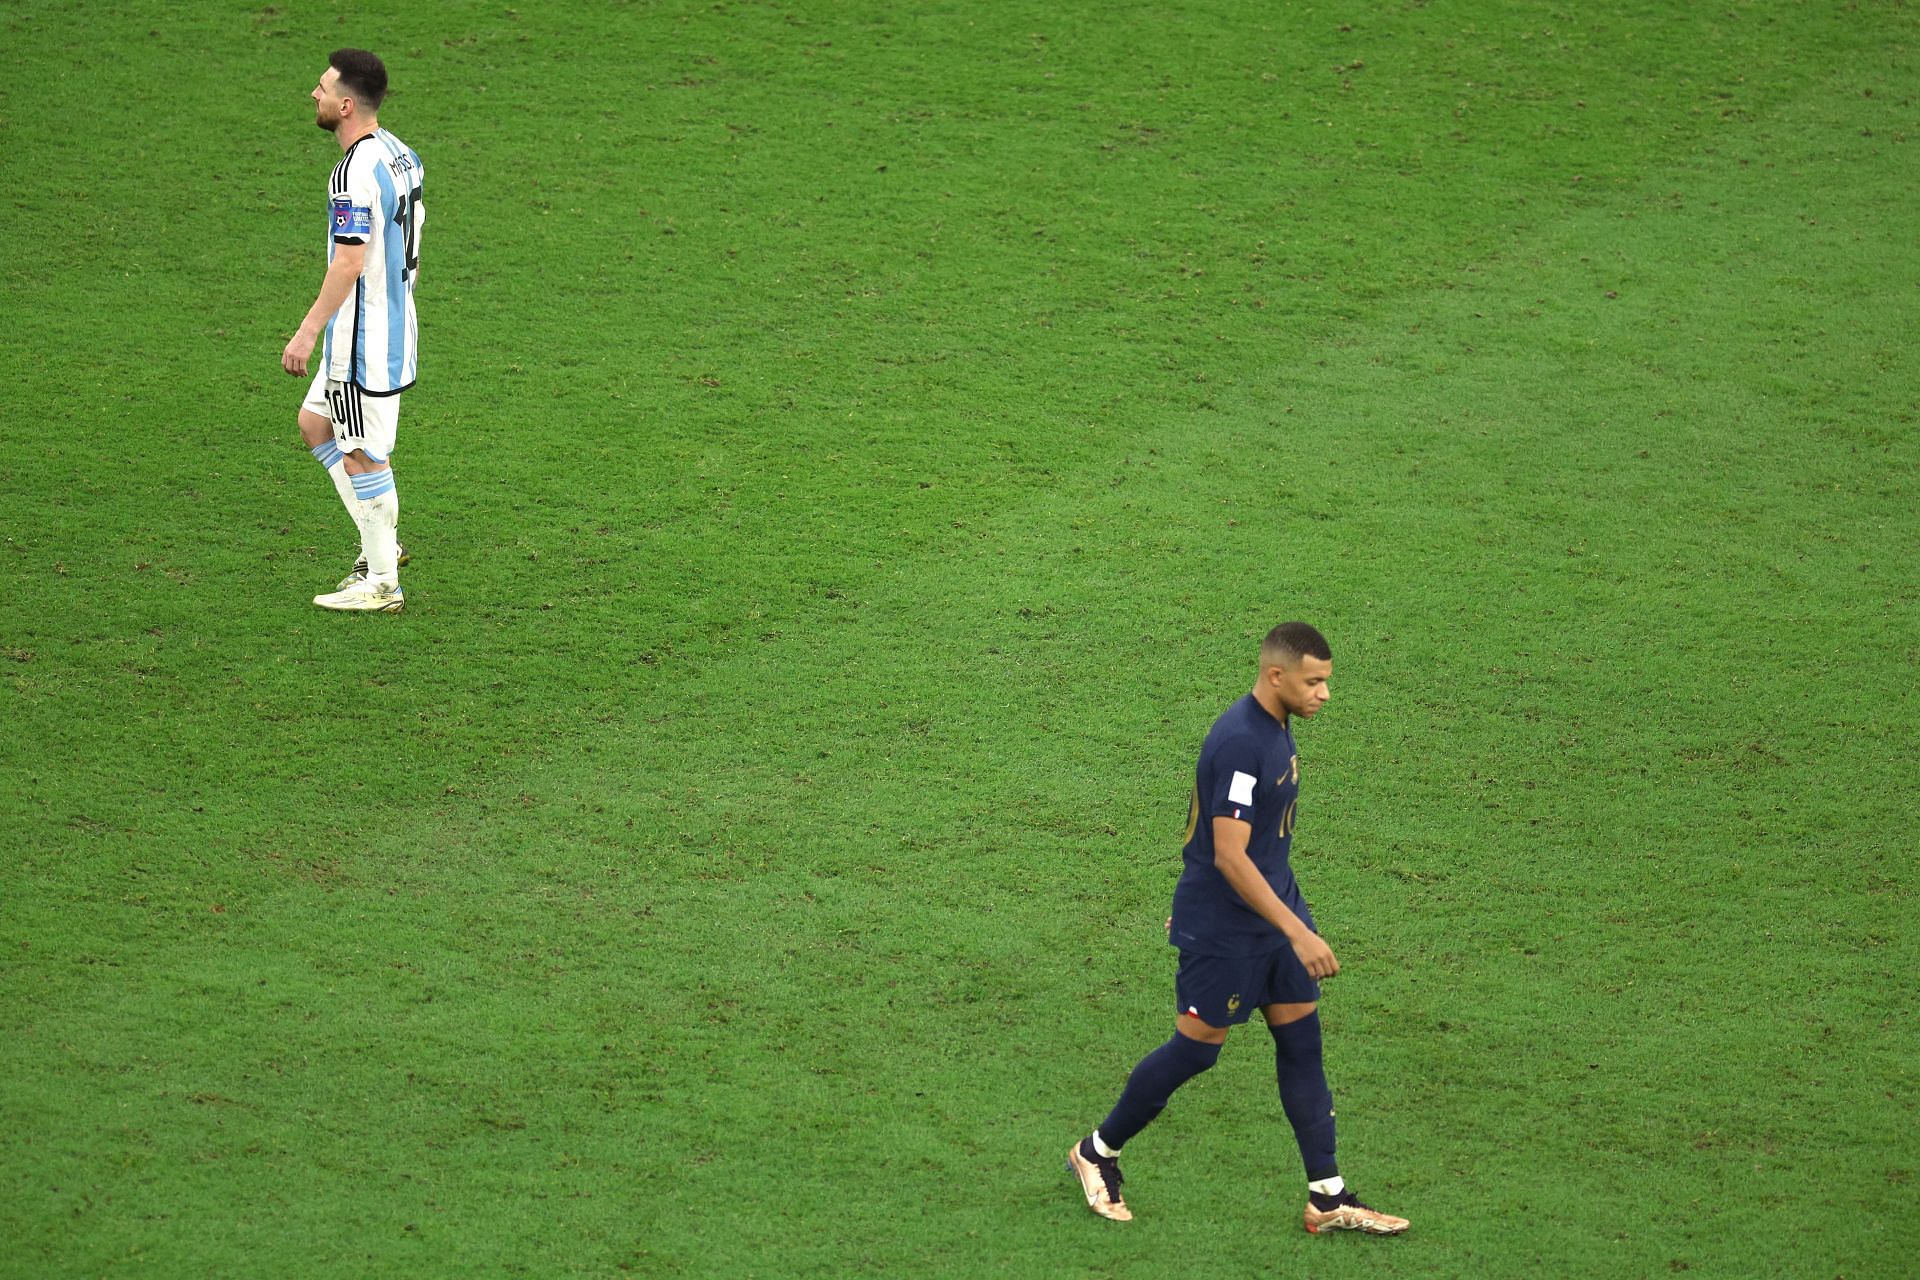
(364, 323)
(1247, 940)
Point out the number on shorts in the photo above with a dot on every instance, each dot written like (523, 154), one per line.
(340, 400)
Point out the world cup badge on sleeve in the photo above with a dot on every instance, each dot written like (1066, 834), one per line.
(350, 219)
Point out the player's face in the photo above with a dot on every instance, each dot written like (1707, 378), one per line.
(327, 101)
(1302, 689)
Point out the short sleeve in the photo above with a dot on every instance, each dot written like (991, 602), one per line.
(1234, 774)
(350, 213)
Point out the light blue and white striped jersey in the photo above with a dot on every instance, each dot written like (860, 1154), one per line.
(373, 199)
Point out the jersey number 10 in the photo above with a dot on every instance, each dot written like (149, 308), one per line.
(410, 215)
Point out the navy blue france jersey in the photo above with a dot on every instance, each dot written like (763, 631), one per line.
(1248, 770)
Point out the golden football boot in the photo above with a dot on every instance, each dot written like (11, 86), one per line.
(1100, 1180)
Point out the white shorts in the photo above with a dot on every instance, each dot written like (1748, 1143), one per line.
(360, 421)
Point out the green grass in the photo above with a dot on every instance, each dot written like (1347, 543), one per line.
(858, 450)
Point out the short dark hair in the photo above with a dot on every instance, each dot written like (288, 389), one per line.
(1289, 642)
(362, 75)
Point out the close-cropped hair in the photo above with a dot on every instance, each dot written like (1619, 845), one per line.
(1289, 642)
(362, 75)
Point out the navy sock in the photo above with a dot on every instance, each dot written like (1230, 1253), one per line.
(1152, 1083)
(1304, 1094)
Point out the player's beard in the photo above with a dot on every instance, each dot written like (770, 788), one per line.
(322, 120)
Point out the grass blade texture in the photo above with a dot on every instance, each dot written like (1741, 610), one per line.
(858, 449)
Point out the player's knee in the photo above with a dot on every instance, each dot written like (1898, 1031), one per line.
(314, 429)
(1197, 1055)
(1201, 1033)
(1279, 1015)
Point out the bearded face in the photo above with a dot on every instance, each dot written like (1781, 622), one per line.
(328, 101)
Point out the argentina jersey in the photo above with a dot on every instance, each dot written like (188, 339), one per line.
(374, 199)
(1249, 772)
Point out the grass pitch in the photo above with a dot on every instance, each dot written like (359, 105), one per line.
(858, 450)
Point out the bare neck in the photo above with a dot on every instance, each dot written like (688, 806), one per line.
(351, 131)
(1270, 701)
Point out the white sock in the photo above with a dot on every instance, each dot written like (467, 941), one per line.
(1328, 1186)
(1106, 1152)
(334, 461)
(343, 485)
(379, 505)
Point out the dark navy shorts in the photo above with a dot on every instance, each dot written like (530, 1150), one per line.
(1223, 991)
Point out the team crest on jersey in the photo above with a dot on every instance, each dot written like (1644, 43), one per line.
(1233, 1003)
(350, 219)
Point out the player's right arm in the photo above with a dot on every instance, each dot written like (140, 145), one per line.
(342, 272)
(1230, 837)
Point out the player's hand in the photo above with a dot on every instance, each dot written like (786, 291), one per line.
(294, 358)
(1316, 955)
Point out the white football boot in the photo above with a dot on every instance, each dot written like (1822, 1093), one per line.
(365, 596)
(359, 573)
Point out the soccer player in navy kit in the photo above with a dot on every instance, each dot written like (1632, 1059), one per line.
(1247, 940)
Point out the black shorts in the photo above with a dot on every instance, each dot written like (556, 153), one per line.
(1223, 991)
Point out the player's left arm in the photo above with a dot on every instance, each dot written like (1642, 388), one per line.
(348, 260)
